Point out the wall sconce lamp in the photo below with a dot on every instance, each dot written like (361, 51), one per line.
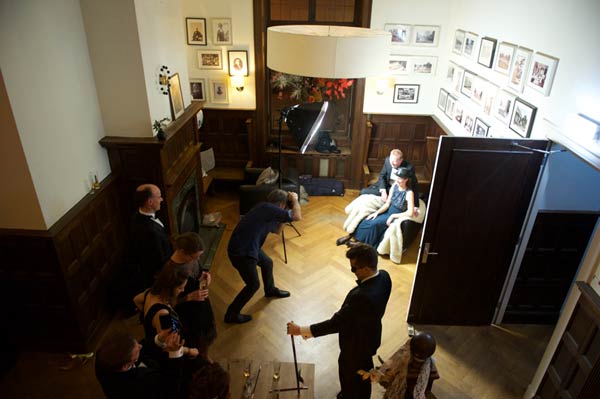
(381, 85)
(237, 81)
(163, 79)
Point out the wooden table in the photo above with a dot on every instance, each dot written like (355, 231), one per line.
(242, 387)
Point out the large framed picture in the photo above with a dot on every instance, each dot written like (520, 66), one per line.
(424, 65)
(504, 57)
(470, 48)
(238, 62)
(480, 129)
(196, 31)
(519, 69)
(218, 91)
(407, 94)
(399, 64)
(503, 105)
(467, 84)
(175, 97)
(522, 118)
(442, 99)
(198, 89)
(400, 33)
(459, 41)
(486, 51)
(541, 75)
(210, 59)
(426, 35)
(221, 31)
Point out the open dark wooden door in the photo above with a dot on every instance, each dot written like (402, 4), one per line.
(479, 198)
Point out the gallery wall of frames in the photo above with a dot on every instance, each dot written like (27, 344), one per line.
(494, 107)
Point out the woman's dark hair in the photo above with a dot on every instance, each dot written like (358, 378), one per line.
(189, 243)
(209, 381)
(170, 277)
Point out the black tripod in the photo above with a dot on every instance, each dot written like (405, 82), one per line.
(283, 116)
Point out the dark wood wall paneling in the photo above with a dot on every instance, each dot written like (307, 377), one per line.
(228, 132)
(59, 277)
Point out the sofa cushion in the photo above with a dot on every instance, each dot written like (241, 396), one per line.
(267, 176)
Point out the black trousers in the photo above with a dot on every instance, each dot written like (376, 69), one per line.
(246, 266)
(352, 384)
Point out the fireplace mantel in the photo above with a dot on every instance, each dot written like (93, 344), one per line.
(167, 163)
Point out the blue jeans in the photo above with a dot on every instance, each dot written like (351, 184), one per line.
(246, 266)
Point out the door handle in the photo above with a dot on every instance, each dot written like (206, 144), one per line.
(426, 253)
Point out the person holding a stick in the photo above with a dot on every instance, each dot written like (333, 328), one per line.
(358, 322)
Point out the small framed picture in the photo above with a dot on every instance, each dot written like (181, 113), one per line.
(541, 75)
(503, 105)
(486, 51)
(459, 41)
(175, 97)
(490, 95)
(480, 129)
(198, 89)
(407, 94)
(450, 103)
(519, 69)
(210, 59)
(470, 48)
(522, 118)
(458, 112)
(458, 78)
(504, 57)
(196, 31)
(400, 33)
(479, 87)
(221, 31)
(467, 84)
(450, 72)
(426, 35)
(468, 122)
(238, 62)
(424, 65)
(443, 97)
(399, 64)
(218, 91)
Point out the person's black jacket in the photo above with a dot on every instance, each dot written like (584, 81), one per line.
(384, 177)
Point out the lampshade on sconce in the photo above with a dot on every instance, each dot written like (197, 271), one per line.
(237, 81)
(334, 52)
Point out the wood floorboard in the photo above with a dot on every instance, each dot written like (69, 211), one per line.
(495, 362)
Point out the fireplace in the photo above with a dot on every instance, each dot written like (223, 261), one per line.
(186, 206)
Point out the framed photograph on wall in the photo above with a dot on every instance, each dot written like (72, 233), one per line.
(442, 99)
(458, 78)
(400, 33)
(198, 89)
(459, 41)
(470, 48)
(523, 115)
(399, 64)
(218, 91)
(407, 94)
(210, 59)
(196, 31)
(519, 69)
(468, 122)
(503, 105)
(478, 90)
(480, 129)
(423, 65)
(175, 97)
(458, 112)
(541, 75)
(504, 57)
(467, 84)
(238, 62)
(426, 35)
(450, 103)
(450, 72)
(490, 95)
(486, 51)
(221, 31)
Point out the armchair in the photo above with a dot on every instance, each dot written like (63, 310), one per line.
(251, 194)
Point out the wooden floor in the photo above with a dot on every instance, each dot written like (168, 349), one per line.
(495, 362)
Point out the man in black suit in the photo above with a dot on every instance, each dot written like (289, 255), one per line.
(387, 176)
(122, 374)
(358, 322)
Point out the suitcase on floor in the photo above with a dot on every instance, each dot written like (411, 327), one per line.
(321, 186)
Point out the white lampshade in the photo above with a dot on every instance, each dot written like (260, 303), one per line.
(333, 52)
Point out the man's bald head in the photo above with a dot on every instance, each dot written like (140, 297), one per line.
(148, 198)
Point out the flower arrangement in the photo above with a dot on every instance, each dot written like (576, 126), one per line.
(309, 89)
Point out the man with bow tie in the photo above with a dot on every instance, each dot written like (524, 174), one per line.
(358, 322)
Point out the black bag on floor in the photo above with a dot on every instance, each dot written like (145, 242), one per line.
(322, 186)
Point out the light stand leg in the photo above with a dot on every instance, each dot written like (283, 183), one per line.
(284, 251)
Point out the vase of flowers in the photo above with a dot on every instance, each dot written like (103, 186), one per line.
(307, 89)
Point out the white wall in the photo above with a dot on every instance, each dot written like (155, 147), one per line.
(242, 22)
(52, 94)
